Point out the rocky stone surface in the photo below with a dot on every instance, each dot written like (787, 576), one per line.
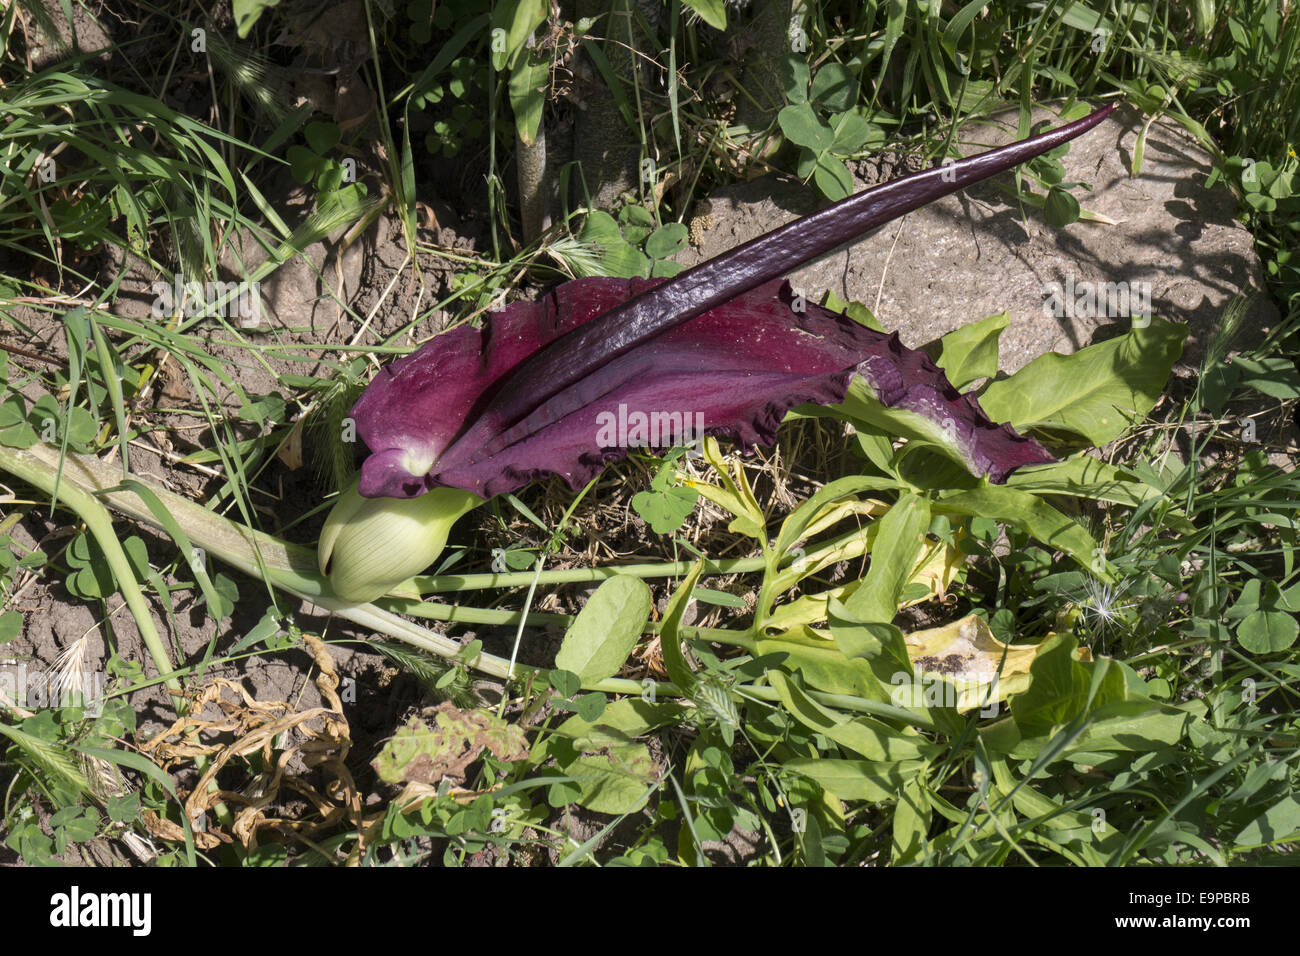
(977, 253)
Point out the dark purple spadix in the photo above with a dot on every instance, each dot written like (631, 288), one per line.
(721, 344)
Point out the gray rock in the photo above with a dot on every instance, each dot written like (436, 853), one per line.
(975, 254)
(302, 291)
(300, 294)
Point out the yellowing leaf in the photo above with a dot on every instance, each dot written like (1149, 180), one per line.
(967, 656)
(936, 569)
(734, 494)
(445, 742)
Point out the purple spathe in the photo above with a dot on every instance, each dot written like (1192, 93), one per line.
(740, 366)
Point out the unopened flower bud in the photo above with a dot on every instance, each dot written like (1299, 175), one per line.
(370, 545)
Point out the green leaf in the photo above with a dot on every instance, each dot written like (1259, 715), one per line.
(1082, 476)
(1032, 516)
(1267, 631)
(824, 666)
(124, 808)
(226, 596)
(1094, 393)
(898, 546)
(1260, 202)
(961, 20)
(616, 782)
(138, 557)
(718, 598)
(330, 177)
(854, 310)
(81, 428)
(1137, 725)
(12, 411)
(566, 683)
(851, 132)
(795, 77)
(77, 823)
(802, 127)
(606, 629)
(620, 257)
(528, 83)
(47, 417)
(303, 164)
(970, 353)
(11, 625)
(712, 12)
(1060, 688)
(636, 222)
(247, 11)
(22, 435)
(911, 822)
(321, 137)
(866, 736)
(834, 88)
(1275, 376)
(520, 19)
(1060, 209)
(265, 629)
(1051, 171)
(589, 706)
(868, 780)
(670, 632)
(1274, 825)
(667, 241)
(666, 506)
(92, 577)
(879, 643)
(631, 716)
(792, 529)
(832, 178)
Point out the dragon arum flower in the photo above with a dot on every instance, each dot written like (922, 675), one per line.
(480, 412)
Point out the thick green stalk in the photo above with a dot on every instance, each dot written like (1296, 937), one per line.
(290, 567)
(502, 617)
(43, 474)
(428, 583)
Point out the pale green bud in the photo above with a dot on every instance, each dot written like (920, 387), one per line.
(371, 545)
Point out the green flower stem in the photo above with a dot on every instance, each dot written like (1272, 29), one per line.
(289, 567)
(427, 584)
(72, 495)
(44, 474)
(498, 616)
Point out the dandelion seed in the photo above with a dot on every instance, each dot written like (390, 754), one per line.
(1101, 607)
